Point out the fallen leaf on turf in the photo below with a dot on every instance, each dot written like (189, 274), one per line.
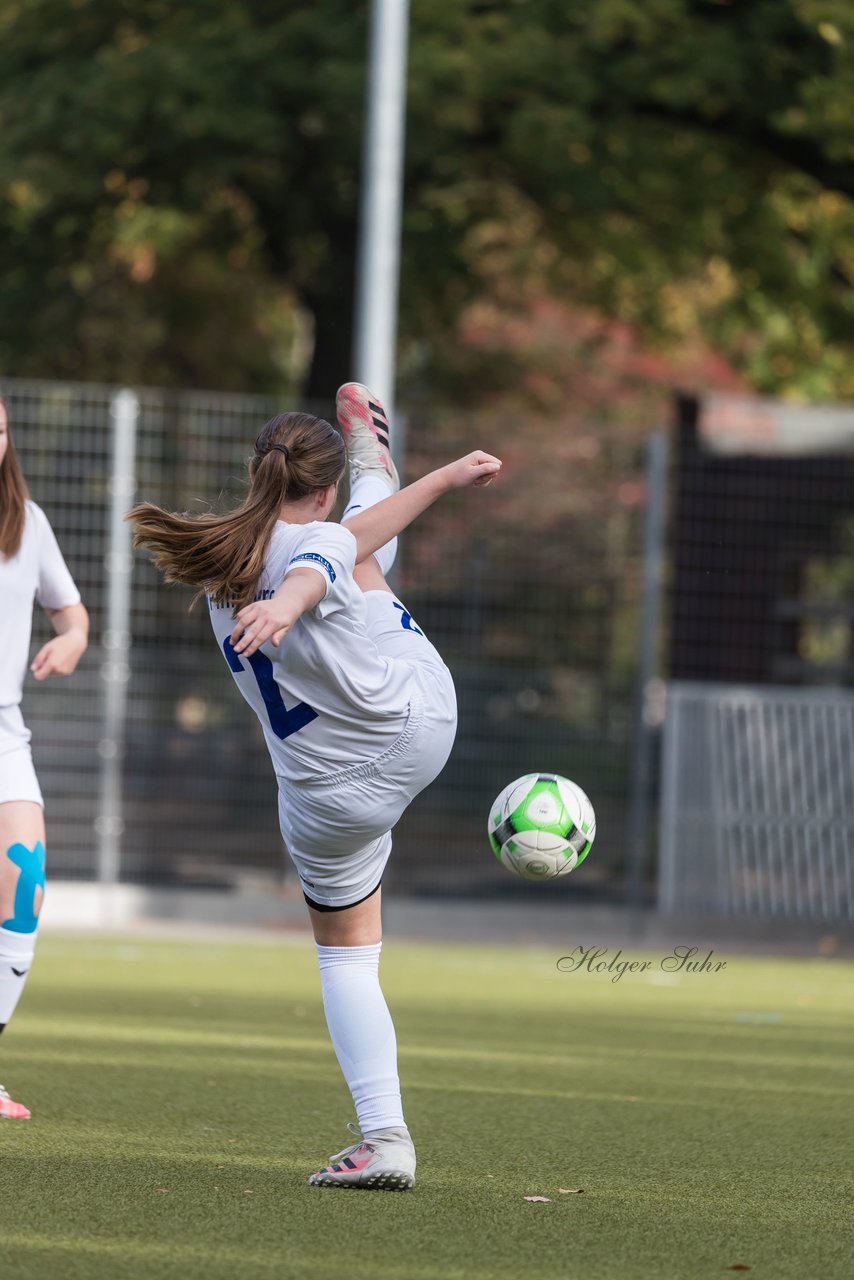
(538, 1199)
(571, 1191)
(739, 1266)
(161, 1190)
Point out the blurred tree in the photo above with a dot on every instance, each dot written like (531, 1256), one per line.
(681, 164)
(179, 184)
(179, 181)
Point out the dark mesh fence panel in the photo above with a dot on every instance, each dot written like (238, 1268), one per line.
(538, 629)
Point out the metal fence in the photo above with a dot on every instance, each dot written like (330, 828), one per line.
(756, 812)
(152, 769)
(757, 803)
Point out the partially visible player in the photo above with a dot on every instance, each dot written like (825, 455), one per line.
(357, 707)
(31, 567)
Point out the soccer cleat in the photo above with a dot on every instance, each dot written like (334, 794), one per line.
(383, 1162)
(366, 431)
(10, 1110)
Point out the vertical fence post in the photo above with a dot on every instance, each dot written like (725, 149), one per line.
(115, 668)
(653, 557)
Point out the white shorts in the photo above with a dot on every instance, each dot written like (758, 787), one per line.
(18, 779)
(338, 826)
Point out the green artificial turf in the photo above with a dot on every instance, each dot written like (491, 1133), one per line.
(183, 1091)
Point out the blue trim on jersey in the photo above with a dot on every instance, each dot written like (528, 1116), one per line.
(312, 555)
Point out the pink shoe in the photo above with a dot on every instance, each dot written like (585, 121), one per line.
(383, 1162)
(10, 1110)
(365, 428)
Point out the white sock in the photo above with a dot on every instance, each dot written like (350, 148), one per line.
(366, 490)
(362, 1033)
(16, 956)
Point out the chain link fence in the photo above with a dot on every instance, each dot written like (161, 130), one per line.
(758, 744)
(153, 770)
(155, 773)
(757, 810)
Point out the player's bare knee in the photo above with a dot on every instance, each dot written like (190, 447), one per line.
(356, 926)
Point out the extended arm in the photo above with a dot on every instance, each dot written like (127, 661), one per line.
(302, 589)
(375, 527)
(60, 655)
(372, 529)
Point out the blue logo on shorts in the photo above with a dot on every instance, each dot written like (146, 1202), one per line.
(406, 620)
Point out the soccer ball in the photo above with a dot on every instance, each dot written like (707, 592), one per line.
(541, 826)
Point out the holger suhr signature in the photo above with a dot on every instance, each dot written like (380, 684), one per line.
(679, 960)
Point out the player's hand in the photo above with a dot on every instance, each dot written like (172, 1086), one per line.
(476, 468)
(59, 656)
(259, 622)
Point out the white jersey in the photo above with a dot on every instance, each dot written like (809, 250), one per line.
(326, 697)
(38, 572)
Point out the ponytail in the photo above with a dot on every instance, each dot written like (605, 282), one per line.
(295, 455)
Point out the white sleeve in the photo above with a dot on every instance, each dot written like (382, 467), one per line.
(56, 588)
(330, 549)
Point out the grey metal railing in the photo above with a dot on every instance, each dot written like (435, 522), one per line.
(757, 802)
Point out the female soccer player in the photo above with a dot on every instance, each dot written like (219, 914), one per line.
(31, 566)
(358, 709)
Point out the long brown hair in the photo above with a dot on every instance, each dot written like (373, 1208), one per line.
(295, 455)
(13, 496)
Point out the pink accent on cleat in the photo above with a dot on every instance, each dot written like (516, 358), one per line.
(365, 427)
(11, 1110)
(383, 1162)
(356, 1161)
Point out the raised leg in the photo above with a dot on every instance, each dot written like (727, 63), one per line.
(373, 475)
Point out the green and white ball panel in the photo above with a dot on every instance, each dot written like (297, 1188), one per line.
(537, 855)
(541, 826)
(580, 810)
